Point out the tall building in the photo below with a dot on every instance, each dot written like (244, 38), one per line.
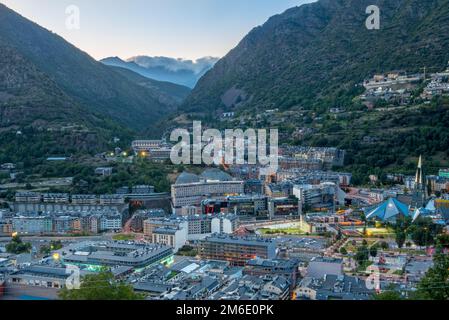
(419, 196)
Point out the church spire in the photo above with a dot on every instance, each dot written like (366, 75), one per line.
(419, 194)
(419, 179)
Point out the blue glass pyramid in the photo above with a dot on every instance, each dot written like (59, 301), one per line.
(389, 210)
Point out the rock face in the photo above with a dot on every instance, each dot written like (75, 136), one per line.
(314, 55)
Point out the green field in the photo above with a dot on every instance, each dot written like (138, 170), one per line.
(123, 237)
(286, 231)
(353, 248)
(376, 232)
(293, 229)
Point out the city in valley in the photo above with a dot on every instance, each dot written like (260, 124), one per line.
(306, 159)
(229, 233)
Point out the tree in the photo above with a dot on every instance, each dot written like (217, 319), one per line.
(435, 284)
(401, 230)
(373, 251)
(101, 286)
(339, 235)
(365, 221)
(400, 238)
(343, 251)
(17, 246)
(443, 240)
(54, 245)
(362, 255)
(384, 245)
(45, 250)
(423, 232)
(388, 295)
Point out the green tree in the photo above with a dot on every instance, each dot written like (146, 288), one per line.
(373, 251)
(424, 232)
(17, 246)
(101, 286)
(443, 240)
(365, 221)
(362, 255)
(45, 250)
(401, 230)
(400, 238)
(435, 284)
(54, 245)
(343, 251)
(384, 245)
(388, 295)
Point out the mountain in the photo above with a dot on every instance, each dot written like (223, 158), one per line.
(165, 92)
(32, 52)
(312, 58)
(179, 71)
(25, 92)
(313, 55)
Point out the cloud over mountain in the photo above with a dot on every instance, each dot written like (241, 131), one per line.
(178, 71)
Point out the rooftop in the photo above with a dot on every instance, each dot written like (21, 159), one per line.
(251, 241)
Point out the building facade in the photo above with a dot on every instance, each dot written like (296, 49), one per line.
(236, 250)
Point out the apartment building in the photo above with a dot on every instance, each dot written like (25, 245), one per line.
(236, 250)
(191, 194)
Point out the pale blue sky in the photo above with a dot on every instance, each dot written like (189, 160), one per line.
(175, 28)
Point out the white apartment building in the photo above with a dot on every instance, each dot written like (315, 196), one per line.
(170, 236)
(176, 232)
(111, 223)
(146, 145)
(227, 224)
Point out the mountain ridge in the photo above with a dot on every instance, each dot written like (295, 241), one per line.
(309, 53)
(91, 84)
(179, 71)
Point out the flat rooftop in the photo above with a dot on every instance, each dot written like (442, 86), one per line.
(240, 240)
